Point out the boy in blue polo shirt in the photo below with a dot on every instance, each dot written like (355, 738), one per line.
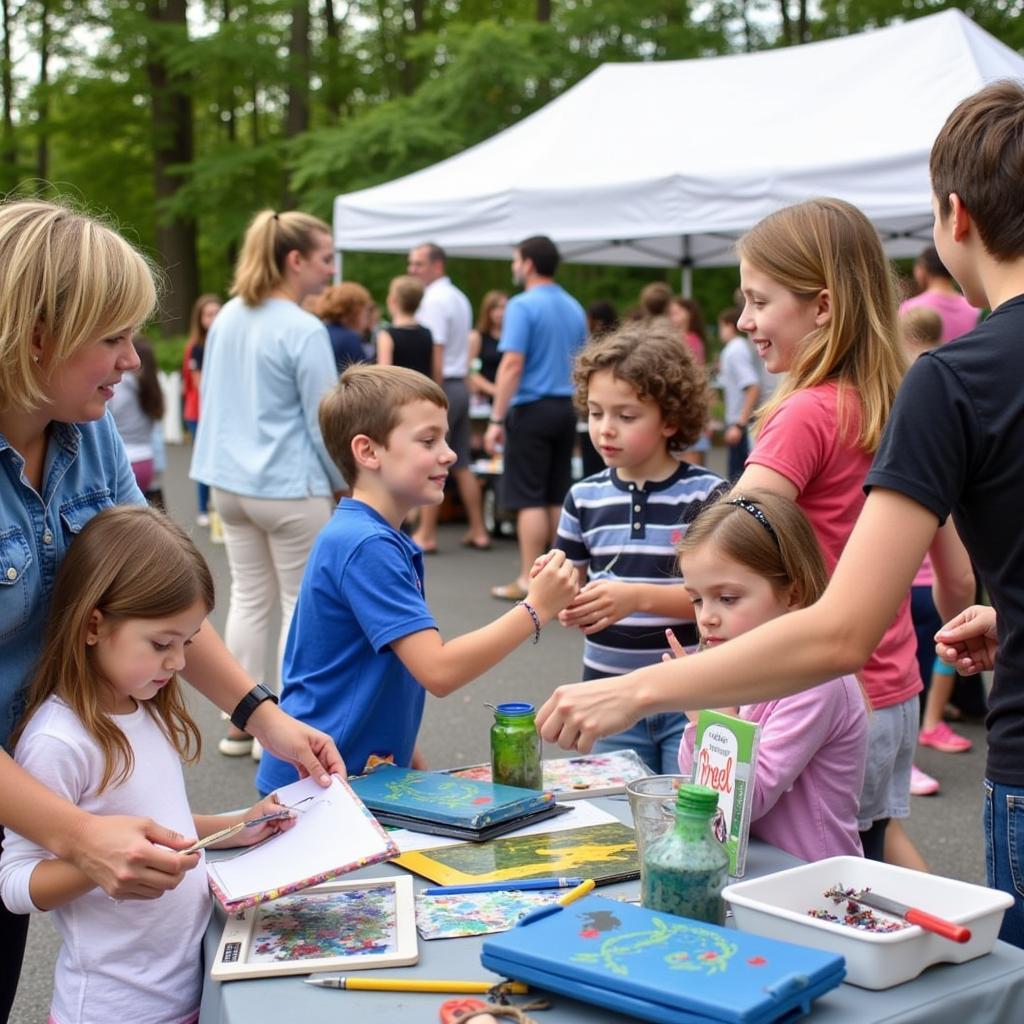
(363, 646)
(645, 400)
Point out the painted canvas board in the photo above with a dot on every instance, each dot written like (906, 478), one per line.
(574, 778)
(606, 853)
(476, 913)
(338, 926)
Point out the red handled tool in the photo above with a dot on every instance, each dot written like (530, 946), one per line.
(929, 922)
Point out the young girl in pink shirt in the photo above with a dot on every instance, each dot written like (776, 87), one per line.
(820, 307)
(747, 560)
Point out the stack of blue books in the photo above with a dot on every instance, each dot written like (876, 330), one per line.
(447, 805)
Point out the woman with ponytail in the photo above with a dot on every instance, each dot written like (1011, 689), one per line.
(258, 445)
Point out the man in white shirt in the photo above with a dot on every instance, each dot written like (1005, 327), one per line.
(446, 312)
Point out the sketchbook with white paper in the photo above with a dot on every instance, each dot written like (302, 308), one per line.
(334, 834)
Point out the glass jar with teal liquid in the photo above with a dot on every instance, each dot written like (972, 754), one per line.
(686, 869)
(515, 746)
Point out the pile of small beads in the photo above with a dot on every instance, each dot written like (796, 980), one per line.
(857, 915)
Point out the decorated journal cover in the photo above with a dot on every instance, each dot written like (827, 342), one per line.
(438, 796)
(335, 834)
(574, 778)
(605, 853)
(661, 967)
(725, 759)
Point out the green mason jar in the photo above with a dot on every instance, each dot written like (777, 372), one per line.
(686, 869)
(515, 746)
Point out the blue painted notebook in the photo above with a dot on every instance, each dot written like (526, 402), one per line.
(663, 968)
(440, 797)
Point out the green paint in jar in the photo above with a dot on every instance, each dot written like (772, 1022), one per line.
(515, 746)
(686, 869)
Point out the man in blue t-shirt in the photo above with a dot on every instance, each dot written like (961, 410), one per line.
(532, 412)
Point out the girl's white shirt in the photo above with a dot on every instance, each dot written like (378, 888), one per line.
(136, 958)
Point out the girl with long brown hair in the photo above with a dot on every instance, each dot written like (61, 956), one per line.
(107, 727)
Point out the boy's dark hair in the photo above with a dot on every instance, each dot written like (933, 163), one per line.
(368, 400)
(601, 317)
(730, 316)
(931, 263)
(652, 360)
(542, 252)
(979, 155)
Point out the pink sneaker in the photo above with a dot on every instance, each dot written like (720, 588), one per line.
(922, 784)
(941, 737)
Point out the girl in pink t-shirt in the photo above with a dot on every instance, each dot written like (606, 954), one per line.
(821, 308)
(745, 561)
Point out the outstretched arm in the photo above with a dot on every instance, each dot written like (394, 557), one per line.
(832, 637)
(441, 668)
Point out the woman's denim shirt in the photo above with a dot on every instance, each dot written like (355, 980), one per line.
(86, 470)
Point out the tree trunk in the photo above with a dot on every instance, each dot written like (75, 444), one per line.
(544, 11)
(171, 107)
(43, 96)
(787, 24)
(230, 123)
(803, 32)
(332, 49)
(8, 152)
(411, 72)
(297, 120)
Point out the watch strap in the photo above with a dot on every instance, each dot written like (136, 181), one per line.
(249, 703)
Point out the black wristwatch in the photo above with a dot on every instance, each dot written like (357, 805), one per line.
(248, 704)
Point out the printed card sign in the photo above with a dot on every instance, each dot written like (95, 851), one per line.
(724, 759)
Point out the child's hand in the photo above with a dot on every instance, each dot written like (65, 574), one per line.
(554, 585)
(600, 604)
(970, 641)
(675, 648)
(256, 834)
(540, 563)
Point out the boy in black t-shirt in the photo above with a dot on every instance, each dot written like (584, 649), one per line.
(954, 443)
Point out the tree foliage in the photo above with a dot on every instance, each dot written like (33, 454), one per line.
(180, 118)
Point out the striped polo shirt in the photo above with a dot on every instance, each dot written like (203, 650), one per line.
(624, 531)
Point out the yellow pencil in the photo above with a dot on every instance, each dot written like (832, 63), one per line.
(414, 985)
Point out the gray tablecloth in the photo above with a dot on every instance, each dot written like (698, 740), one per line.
(989, 989)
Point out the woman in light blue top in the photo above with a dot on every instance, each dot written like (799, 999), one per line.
(266, 366)
(72, 294)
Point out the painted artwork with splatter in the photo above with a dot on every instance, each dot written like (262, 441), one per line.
(476, 913)
(587, 775)
(310, 926)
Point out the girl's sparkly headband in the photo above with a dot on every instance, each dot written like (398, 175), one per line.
(758, 514)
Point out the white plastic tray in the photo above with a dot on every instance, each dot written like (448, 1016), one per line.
(776, 905)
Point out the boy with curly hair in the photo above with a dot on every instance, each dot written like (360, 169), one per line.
(646, 401)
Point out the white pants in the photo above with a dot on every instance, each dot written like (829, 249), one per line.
(268, 541)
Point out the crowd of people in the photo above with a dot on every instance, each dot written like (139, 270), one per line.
(806, 592)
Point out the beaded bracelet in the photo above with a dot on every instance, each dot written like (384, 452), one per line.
(533, 615)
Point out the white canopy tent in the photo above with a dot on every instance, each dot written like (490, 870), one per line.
(665, 164)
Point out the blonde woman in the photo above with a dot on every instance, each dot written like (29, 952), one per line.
(72, 294)
(259, 445)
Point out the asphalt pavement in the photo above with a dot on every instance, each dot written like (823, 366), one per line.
(946, 828)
